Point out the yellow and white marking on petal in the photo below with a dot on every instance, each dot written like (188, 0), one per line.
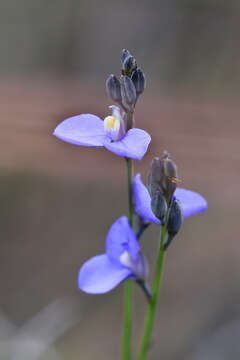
(113, 124)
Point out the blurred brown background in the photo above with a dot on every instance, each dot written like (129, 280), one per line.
(57, 201)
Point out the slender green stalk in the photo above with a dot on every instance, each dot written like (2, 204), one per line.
(130, 191)
(151, 311)
(126, 352)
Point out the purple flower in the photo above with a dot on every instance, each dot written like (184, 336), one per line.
(123, 259)
(191, 202)
(90, 130)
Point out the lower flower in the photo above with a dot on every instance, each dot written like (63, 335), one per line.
(123, 259)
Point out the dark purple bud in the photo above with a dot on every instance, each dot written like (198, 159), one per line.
(155, 176)
(128, 92)
(175, 218)
(159, 206)
(113, 88)
(175, 221)
(125, 53)
(139, 81)
(171, 175)
(129, 65)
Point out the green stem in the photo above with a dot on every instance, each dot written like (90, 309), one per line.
(151, 311)
(126, 352)
(130, 191)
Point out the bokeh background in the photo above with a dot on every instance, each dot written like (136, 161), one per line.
(57, 201)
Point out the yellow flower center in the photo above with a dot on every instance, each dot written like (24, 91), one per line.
(111, 122)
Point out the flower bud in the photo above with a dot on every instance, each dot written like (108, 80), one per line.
(128, 92)
(171, 176)
(175, 218)
(139, 80)
(175, 221)
(129, 65)
(155, 177)
(125, 53)
(159, 206)
(113, 88)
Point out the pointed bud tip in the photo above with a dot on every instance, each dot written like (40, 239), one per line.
(124, 54)
(129, 65)
(165, 155)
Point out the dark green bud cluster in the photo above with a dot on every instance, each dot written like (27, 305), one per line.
(126, 90)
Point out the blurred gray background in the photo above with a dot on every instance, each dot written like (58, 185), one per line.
(57, 201)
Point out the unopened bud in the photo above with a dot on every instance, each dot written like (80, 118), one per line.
(113, 88)
(128, 92)
(175, 221)
(171, 176)
(155, 177)
(139, 81)
(125, 53)
(175, 218)
(159, 206)
(129, 65)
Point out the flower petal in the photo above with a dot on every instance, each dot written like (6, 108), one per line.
(191, 202)
(133, 145)
(143, 201)
(85, 130)
(121, 237)
(99, 275)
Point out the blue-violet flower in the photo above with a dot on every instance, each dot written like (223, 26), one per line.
(123, 259)
(90, 130)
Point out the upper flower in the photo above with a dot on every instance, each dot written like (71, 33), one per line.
(191, 202)
(123, 259)
(90, 130)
